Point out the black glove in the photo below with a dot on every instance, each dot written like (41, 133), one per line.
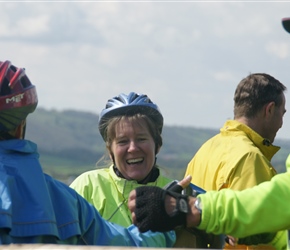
(190, 190)
(150, 209)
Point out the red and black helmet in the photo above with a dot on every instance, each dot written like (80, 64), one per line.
(18, 96)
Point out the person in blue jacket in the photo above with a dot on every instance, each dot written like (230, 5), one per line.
(34, 207)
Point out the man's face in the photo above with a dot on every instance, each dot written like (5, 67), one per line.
(276, 120)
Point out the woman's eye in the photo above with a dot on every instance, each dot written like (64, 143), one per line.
(121, 141)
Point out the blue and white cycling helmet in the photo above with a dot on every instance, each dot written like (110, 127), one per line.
(129, 105)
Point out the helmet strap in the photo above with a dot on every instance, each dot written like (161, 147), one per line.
(20, 130)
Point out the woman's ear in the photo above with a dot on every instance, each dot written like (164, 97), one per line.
(157, 149)
(112, 157)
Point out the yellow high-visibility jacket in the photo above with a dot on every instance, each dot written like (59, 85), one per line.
(109, 193)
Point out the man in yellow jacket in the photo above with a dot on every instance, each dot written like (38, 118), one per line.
(239, 156)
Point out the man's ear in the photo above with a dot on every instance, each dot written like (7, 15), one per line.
(270, 108)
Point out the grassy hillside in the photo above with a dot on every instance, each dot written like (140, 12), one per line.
(69, 144)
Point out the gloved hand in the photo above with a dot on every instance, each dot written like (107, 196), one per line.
(192, 237)
(190, 190)
(151, 213)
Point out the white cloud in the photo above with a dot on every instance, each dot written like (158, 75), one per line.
(188, 57)
(278, 49)
(31, 26)
(224, 76)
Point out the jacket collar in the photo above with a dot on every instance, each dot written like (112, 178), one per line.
(266, 147)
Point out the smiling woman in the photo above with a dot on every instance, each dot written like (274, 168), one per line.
(133, 147)
(131, 126)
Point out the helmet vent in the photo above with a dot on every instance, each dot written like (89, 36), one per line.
(25, 82)
(13, 68)
(5, 89)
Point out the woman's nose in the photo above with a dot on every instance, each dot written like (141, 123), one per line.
(132, 146)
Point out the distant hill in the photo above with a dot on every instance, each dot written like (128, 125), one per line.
(69, 144)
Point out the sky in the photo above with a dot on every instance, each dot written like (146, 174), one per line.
(187, 56)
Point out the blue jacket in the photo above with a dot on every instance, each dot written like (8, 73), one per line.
(35, 208)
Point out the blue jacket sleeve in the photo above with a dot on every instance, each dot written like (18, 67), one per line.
(98, 231)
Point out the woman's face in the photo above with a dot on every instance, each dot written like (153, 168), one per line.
(133, 149)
